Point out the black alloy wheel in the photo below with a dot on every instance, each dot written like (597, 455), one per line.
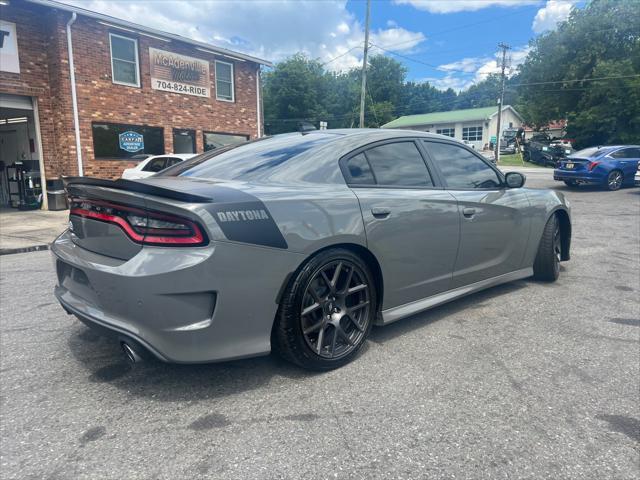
(614, 180)
(335, 309)
(326, 311)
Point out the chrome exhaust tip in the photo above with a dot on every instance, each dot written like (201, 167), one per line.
(130, 353)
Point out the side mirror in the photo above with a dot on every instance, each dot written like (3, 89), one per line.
(514, 179)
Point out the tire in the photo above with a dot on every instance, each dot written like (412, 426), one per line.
(546, 266)
(571, 183)
(322, 322)
(614, 180)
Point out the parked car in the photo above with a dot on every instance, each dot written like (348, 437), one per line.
(562, 142)
(507, 149)
(612, 166)
(636, 177)
(509, 137)
(469, 144)
(542, 150)
(299, 243)
(153, 164)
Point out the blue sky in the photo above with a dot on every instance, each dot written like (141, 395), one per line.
(456, 39)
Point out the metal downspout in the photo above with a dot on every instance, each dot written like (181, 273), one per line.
(74, 98)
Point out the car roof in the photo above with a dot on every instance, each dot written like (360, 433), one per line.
(374, 132)
(606, 149)
(309, 157)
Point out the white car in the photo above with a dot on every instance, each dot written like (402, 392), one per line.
(469, 144)
(636, 177)
(154, 164)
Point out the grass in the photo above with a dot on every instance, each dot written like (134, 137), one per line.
(515, 161)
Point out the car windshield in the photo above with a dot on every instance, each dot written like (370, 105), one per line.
(251, 160)
(587, 152)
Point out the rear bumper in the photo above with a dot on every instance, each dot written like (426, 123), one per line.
(185, 305)
(581, 177)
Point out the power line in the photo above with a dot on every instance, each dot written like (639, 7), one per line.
(467, 25)
(596, 79)
(404, 110)
(434, 67)
(340, 56)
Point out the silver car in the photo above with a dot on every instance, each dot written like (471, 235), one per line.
(299, 243)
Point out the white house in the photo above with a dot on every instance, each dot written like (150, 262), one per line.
(477, 125)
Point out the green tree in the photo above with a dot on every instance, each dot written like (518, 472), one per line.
(600, 40)
(294, 91)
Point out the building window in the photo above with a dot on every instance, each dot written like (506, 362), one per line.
(184, 141)
(449, 132)
(224, 81)
(110, 143)
(213, 140)
(124, 60)
(472, 134)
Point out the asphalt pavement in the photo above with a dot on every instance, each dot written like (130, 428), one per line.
(525, 380)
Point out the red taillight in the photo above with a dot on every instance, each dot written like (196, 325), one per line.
(144, 227)
(592, 165)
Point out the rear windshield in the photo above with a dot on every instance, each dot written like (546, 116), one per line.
(588, 152)
(251, 160)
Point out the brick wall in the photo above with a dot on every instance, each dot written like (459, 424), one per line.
(45, 74)
(33, 79)
(99, 99)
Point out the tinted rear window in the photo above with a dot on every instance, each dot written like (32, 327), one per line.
(252, 160)
(588, 152)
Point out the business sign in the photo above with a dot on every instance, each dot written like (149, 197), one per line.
(9, 61)
(131, 141)
(179, 74)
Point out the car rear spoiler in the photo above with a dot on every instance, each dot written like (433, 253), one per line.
(133, 186)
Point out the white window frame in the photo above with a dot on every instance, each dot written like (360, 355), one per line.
(452, 130)
(477, 136)
(233, 82)
(135, 43)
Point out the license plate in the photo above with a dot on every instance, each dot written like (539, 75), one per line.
(569, 166)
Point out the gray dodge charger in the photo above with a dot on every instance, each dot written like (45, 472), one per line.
(299, 243)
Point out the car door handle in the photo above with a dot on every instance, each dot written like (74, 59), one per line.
(469, 212)
(380, 212)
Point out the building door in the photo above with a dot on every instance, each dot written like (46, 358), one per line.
(20, 177)
(184, 141)
(8, 155)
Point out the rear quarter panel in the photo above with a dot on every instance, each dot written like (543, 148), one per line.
(312, 217)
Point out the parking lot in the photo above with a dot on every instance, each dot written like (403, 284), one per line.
(525, 380)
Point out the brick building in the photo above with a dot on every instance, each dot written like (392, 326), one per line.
(137, 91)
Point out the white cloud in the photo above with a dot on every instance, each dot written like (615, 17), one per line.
(466, 65)
(554, 12)
(272, 30)
(463, 73)
(448, 81)
(452, 6)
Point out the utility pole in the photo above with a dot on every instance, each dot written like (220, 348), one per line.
(364, 64)
(504, 48)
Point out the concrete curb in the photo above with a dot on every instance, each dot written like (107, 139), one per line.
(32, 248)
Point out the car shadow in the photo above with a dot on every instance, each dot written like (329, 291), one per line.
(380, 335)
(593, 188)
(104, 362)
